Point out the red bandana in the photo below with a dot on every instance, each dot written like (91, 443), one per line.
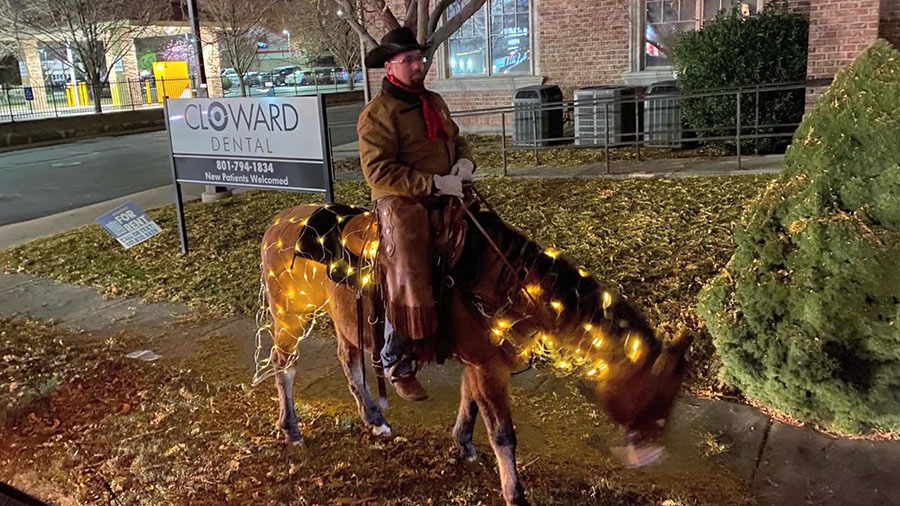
(434, 120)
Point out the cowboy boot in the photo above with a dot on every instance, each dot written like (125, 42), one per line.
(403, 376)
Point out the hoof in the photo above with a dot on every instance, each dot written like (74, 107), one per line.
(294, 438)
(518, 498)
(468, 454)
(383, 432)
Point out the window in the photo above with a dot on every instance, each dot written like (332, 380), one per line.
(665, 18)
(468, 46)
(495, 40)
(510, 43)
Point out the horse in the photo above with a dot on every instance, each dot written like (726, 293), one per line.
(507, 300)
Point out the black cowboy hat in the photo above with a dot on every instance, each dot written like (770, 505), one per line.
(393, 43)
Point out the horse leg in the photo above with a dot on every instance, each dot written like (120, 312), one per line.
(465, 422)
(287, 414)
(489, 384)
(349, 356)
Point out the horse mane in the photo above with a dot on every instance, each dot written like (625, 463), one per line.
(570, 302)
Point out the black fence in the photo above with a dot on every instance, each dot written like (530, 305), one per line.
(740, 120)
(22, 103)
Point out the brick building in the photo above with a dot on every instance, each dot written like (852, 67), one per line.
(577, 43)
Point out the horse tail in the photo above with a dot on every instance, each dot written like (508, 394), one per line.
(264, 325)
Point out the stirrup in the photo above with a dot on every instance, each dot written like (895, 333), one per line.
(417, 366)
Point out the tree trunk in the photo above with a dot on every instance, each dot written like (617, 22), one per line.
(95, 90)
(243, 87)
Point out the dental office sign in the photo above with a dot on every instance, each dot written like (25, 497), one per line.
(276, 143)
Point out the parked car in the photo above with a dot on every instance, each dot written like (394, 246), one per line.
(279, 74)
(341, 76)
(231, 74)
(266, 78)
(298, 78)
(325, 76)
(251, 79)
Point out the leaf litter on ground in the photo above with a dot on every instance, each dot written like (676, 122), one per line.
(188, 431)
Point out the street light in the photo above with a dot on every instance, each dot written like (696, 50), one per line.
(287, 34)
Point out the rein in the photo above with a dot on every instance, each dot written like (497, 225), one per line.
(490, 241)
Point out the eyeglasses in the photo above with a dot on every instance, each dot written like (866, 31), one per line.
(409, 60)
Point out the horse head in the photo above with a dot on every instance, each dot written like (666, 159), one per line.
(561, 313)
(641, 384)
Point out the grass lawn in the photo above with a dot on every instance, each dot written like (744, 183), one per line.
(658, 240)
(488, 151)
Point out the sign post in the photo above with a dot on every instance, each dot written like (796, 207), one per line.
(278, 143)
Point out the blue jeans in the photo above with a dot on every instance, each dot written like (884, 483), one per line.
(394, 346)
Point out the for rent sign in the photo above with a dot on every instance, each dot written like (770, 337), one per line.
(129, 225)
(260, 142)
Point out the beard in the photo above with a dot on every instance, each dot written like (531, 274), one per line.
(417, 79)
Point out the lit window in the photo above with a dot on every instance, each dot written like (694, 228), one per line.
(665, 18)
(495, 40)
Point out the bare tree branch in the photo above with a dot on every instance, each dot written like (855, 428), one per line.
(437, 14)
(422, 28)
(321, 31)
(417, 17)
(238, 26)
(386, 14)
(412, 13)
(358, 28)
(100, 32)
(452, 25)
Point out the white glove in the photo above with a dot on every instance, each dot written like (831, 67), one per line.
(465, 169)
(448, 185)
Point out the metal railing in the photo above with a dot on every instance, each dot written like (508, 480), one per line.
(746, 124)
(22, 103)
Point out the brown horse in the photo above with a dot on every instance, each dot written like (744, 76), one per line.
(507, 301)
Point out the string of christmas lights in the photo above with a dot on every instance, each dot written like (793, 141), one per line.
(550, 310)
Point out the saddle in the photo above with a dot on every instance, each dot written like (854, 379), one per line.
(418, 242)
(358, 250)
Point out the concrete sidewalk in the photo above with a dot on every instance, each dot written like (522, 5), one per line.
(26, 231)
(628, 169)
(781, 464)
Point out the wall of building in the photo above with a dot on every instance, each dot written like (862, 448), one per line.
(581, 45)
(890, 22)
(575, 46)
(839, 31)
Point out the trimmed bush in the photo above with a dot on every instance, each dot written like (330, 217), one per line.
(731, 52)
(806, 315)
(226, 84)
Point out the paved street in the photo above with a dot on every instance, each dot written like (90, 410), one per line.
(48, 180)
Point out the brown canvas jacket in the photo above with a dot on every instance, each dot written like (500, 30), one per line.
(396, 154)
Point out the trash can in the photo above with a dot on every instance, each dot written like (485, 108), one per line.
(538, 116)
(606, 107)
(663, 117)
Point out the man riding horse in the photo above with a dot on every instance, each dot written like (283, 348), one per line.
(414, 160)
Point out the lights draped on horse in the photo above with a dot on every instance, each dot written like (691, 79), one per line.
(509, 300)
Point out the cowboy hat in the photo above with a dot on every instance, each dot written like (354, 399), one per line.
(396, 41)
